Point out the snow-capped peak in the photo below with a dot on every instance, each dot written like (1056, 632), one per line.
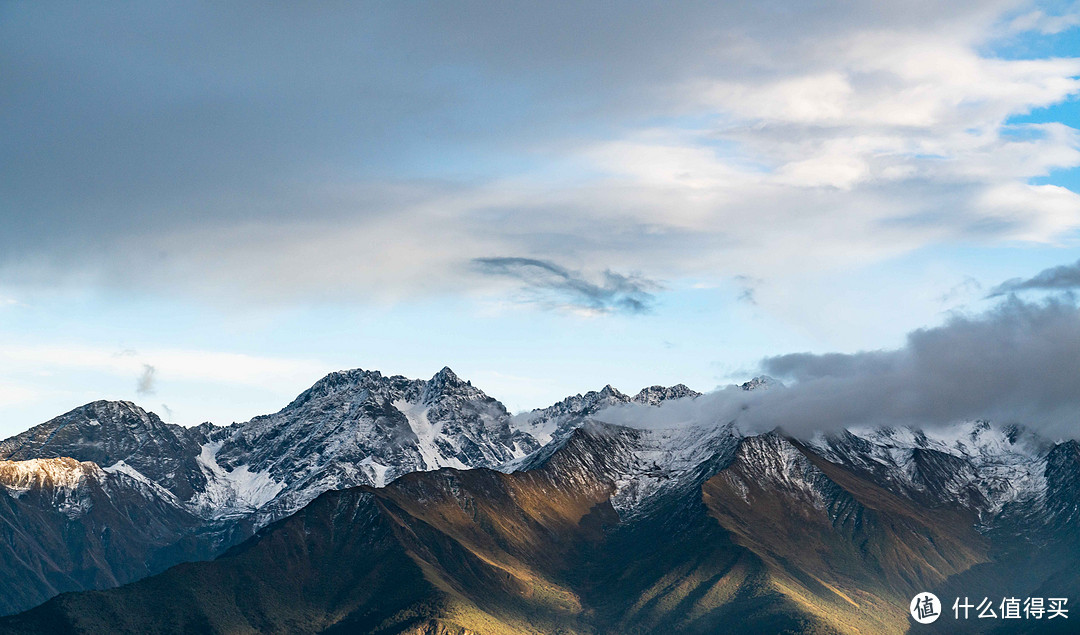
(654, 395)
(982, 466)
(761, 382)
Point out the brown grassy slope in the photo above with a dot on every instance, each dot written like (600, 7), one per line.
(779, 541)
(840, 547)
(67, 526)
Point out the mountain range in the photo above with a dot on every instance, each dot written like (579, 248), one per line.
(381, 504)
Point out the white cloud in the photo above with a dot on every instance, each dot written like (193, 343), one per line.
(764, 137)
(168, 364)
(1039, 21)
(11, 394)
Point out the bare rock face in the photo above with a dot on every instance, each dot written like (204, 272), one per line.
(612, 529)
(109, 493)
(424, 506)
(107, 432)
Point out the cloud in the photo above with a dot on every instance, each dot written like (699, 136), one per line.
(11, 394)
(145, 385)
(962, 289)
(1041, 22)
(1062, 278)
(1018, 363)
(372, 152)
(748, 288)
(615, 293)
(177, 364)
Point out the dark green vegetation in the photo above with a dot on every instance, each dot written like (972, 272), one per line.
(775, 540)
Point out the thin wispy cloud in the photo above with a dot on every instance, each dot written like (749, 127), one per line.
(1062, 278)
(964, 288)
(556, 286)
(180, 364)
(146, 383)
(748, 288)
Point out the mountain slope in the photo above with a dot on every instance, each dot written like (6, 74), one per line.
(362, 428)
(212, 487)
(757, 534)
(107, 432)
(66, 525)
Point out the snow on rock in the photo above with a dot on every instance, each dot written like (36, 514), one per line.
(61, 482)
(360, 427)
(232, 491)
(428, 436)
(670, 459)
(557, 421)
(122, 469)
(985, 467)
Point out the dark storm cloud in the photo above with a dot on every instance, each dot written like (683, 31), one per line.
(1019, 363)
(1063, 278)
(616, 293)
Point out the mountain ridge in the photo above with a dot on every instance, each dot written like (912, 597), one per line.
(550, 547)
(677, 526)
(353, 427)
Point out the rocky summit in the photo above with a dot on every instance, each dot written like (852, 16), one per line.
(378, 504)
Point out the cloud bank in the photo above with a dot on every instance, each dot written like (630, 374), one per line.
(372, 151)
(1018, 363)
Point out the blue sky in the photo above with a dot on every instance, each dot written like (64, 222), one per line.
(207, 207)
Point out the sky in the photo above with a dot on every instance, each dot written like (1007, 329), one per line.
(205, 207)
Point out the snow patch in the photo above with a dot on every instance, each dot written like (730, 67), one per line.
(427, 433)
(230, 491)
(377, 471)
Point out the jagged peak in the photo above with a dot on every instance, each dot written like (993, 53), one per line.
(343, 377)
(90, 414)
(356, 379)
(105, 406)
(761, 382)
(446, 379)
(654, 395)
(446, 375)
(610, 390)
(447, 383)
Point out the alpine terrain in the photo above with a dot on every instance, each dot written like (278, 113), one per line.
(376, 504)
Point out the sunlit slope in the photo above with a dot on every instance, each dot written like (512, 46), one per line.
(762, 536)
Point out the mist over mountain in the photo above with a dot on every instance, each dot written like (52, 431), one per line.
(614, 529)
(423, 506)
(1018, 363)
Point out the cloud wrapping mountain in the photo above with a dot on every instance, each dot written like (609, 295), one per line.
(1018, 363)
